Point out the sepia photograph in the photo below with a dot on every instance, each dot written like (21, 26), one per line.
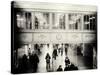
(52, 37)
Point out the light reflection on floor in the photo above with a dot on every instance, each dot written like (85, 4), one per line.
(76, 60)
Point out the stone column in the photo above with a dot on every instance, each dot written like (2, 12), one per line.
(56, 23)
(24, 20)
(82, 22)
(50, 20)
(33, 20)
(83, 49)
(66, 22)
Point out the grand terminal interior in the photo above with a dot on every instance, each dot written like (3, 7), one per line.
(42, 27)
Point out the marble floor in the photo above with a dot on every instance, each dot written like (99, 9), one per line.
(77, 60)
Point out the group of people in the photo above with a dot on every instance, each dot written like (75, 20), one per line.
(28, 63)
(56, 52)
(34, 60)
(54, 55)
(68, 65)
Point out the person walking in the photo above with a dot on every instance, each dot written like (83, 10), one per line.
(47, 61)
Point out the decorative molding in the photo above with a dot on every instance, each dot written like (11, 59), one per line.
(50, 6)
(58, 36)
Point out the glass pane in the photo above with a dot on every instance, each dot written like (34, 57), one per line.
(24, 20)
(86, 22)
(92, 22)
(87, 18)
(58, 21)
(86, 26)
(28, 20)
(41, 20)
(62, 21)
(21, 20)
(74, 21)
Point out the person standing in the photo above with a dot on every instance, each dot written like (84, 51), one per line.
(55, 53)
(61, 50)
(67, 61)
(24, 63)
(36, 61)
(66, 49)
(48, 61)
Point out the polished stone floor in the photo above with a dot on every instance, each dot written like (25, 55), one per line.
(77, 60)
